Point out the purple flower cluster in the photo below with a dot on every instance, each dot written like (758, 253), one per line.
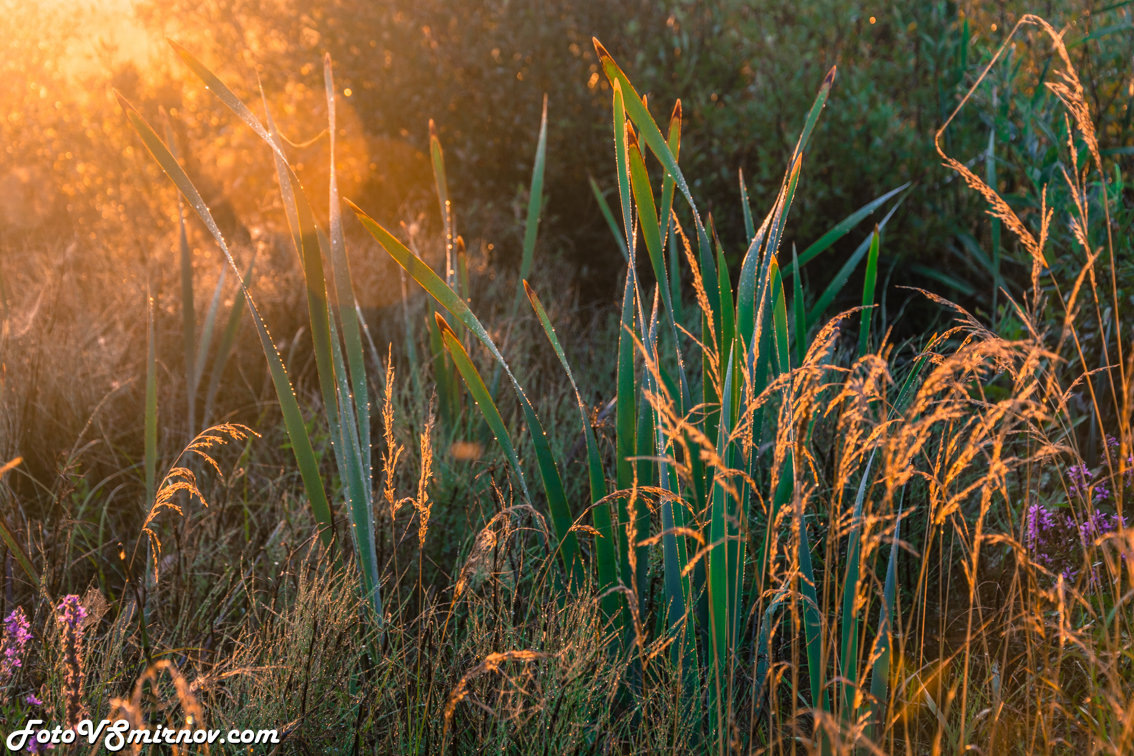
(1080, 483)
(1057, 542)
(71, 612)
(1098, 524)
(1080, 478)
(34, 746)
(17, 633)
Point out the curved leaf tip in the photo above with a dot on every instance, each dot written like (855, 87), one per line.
(631, 137)
(444, 325)
(600, 50)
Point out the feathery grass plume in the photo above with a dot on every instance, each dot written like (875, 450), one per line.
(497, 530)
(393, 448)
(181, 479)
(493, 662)
(1070, 92)
(423, 503)
(132, 711)
(70, 616)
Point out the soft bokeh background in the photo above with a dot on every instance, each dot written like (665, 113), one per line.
(479, 69)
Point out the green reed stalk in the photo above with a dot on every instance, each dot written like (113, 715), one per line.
(335, 329)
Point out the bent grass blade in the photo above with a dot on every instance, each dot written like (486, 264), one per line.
(293, 417)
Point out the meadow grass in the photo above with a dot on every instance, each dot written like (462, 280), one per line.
(777, 531)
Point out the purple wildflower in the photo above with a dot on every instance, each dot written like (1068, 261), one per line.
(71, 612)
(34, 746)
(1061, 544)
(17, 633)
(1096, 524)
(32, 700)
(1080, 477)
(1040, 523)
(70, 617)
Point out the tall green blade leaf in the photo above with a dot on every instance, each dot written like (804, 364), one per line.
(624, 422)
(880, 675)
(535, 204)
(995, 224)
(437, 159)
(839, 281)
(843, 227)
(343, 296)
(562, 523)
(812, 620)
(848, 642)
(799, 308)
(722, 572)
(746, 207)
(193, 364)
(622, 163)
(668, 182)
(647, 212)
(228, 338)
(764, 652)
(868, 284)
(779, 320)
(608, 215)
(305, 237)
(293, 418)
(483, 399)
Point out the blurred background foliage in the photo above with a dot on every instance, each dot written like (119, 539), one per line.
(479, 70)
